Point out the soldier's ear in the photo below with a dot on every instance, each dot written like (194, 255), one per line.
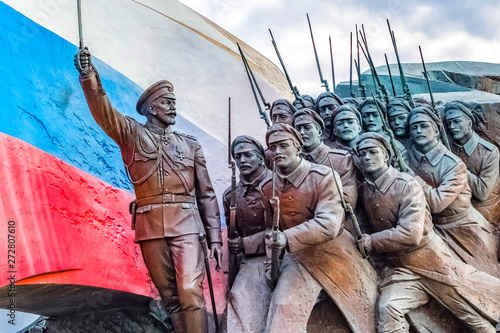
(151, 109)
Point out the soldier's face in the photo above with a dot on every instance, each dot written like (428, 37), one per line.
(164, 110)
(371, 119)
(310, 133)
(326, 107)
(283, 117)
(398, 124)
(248, 162)
(423, 134)
(347, 129)
(459, 127)
(284, 153)
(374, 161)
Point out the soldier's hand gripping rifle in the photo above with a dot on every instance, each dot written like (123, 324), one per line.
(406, 87)
(399, 159)
(294, 89)
(233, 257)
(348, 209)
(253, 84)
(324, 83)
(275, 252)
(442, 131)
(382, 90)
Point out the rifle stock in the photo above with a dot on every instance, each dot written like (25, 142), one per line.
(233, 257)
(275, 203)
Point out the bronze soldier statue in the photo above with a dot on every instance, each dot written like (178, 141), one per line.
(443, 177)
(420, 266)
(175, 204)
(310, 126)
(319, 254)
(397, 112)
(326, 104)
(373, 122)
(250, 287)
(282, 111)
(346, 124)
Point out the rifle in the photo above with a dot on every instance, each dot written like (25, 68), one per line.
(203, 241)
(361, 86)
(442, 131)
(401, 164)
(406, 88)
(294, 89)
(350, 71)
(381, 88)
(80, 32)
(323, 81)
(233, 257)
(348, 209)
(390, 75)
(275, 203)
(253, 83)
(331, 59)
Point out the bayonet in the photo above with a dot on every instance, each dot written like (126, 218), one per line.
(80, 26)
(294, 89)
(331, 60)
(442, 131)
(361, 86)
(390, 75)
(323, 81)
(350, 69)
(253, 85)
(406, 87)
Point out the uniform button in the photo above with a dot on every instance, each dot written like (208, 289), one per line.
(166, 205)
(290, 198)
(166, 173)
(254, 215)
(381, 219)
(253, 201)
(376, 205)
(425, 172)
(293, 213)
(166, 190)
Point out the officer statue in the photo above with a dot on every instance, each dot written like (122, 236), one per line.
(175, 206)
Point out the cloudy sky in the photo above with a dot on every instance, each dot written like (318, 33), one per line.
(446, 30)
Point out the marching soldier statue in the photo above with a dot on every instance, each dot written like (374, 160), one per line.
(307, 211)
(420, 265)
(443, 177)
(175, 207)
(249, 287)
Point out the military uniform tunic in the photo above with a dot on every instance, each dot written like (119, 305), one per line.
(319, 256)
(420, 264)
(250, 286)
(443, 177)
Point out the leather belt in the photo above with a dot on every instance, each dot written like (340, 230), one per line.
(451, 218)
(165, 198)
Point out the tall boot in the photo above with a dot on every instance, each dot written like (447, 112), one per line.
(196, 321)
(179, 322)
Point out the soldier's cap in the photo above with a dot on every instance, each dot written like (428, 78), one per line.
(161, 88)
(279, 132)
(351, 100)
(327, 94)
(308, 116)
(456, 109)
(423, 113)
(370, 102)
(346, 111)
(308, 101)
(404, 107)
(282, 104)
(371, 140)
(245, 143)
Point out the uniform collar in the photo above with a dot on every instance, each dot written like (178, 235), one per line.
(433, 156)
(318, 154)
(385, 181)
(157, 129)
(298, 175)
(469, 146)
(255, 183)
